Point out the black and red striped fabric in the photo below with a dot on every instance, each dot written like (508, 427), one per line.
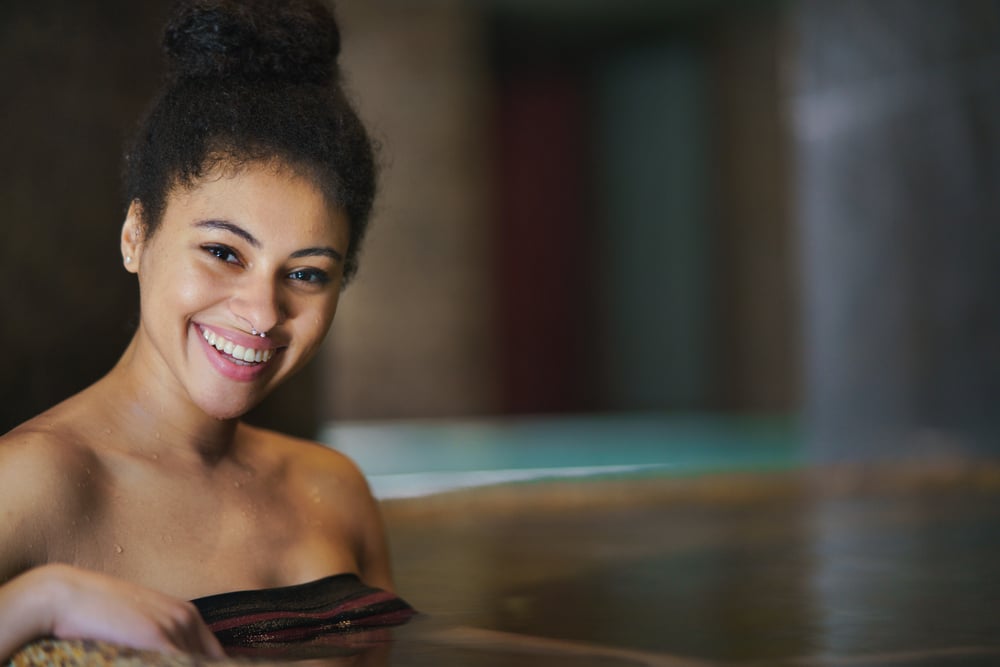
(338, 604)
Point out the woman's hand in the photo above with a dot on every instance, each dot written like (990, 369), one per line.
(72, 603)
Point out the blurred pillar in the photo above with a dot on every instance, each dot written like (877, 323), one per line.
(897, 121)
(414, 335)
(543, 256)
(653, 243)
(758, 347)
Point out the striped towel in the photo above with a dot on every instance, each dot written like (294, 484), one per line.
(332, 606)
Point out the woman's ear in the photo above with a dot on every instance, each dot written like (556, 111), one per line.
(132, 237)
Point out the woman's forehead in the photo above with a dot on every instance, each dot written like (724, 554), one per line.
(259, 192)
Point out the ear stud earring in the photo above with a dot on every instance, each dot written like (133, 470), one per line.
(128, 259)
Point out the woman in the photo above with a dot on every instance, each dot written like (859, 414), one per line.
(249, 186)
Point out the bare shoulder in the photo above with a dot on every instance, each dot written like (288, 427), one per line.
(333, 489)
(39, 459)
(312, 464)
(45, 484)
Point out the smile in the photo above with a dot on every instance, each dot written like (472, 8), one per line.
(239, 353)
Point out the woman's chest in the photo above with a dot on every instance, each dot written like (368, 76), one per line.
(191, 539)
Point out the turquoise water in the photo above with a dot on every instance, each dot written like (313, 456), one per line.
(408, 459)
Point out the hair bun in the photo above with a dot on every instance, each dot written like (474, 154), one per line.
(293, 40)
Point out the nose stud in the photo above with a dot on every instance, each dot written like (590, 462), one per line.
(254, 332)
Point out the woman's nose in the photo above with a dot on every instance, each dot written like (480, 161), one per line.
(258, 303)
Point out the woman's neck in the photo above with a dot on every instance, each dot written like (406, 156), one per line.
(150, 412)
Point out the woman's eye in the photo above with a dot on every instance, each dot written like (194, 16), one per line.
(313, 276)
(222, 252)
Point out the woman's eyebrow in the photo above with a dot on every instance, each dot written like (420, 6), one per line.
(232, 228)
(324, 251)
(229, 227)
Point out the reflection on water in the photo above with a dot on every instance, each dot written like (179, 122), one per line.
(780, 570)
(907, 571)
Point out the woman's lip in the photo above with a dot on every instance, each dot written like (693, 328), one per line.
(226, 364)
(240, 338)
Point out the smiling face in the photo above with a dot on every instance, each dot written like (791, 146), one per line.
(256, 250)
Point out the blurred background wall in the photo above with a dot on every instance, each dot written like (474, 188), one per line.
(711, 206)
(897, 111)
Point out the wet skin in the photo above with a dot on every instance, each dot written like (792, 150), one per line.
(148, 475)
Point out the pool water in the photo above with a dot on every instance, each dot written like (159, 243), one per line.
(652, 539)
(819, 568)
(418, 458)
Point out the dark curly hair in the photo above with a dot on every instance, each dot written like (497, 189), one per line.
(253, 81)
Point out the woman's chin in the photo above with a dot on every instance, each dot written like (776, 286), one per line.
(225, 410)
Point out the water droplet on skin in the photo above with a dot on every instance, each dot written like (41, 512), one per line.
(237, 484)
(156, 457)
(118, 549)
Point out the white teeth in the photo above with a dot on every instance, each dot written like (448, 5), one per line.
(246, 354)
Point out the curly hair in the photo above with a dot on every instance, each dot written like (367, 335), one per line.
(253, 81)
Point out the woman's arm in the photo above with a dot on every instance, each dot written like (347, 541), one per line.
(376, 569)
(69, 603)
(372, 549)
(21, 616)
(41, 490)
(349, 504)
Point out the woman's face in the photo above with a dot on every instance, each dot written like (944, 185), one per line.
(259, 249)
